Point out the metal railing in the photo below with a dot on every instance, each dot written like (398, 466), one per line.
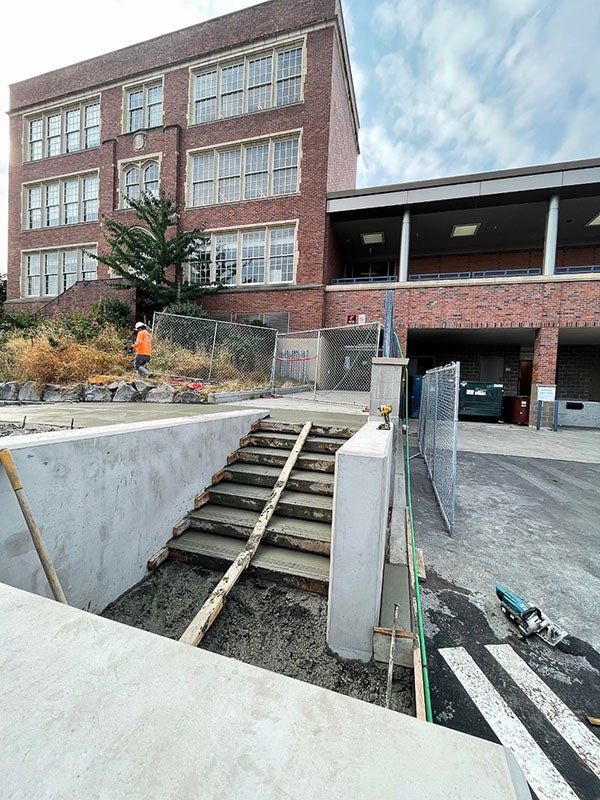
(212, 351)
(328, 360)
(438, 435)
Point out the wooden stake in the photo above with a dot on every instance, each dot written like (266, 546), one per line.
(417, 662)
(36, 535)
(197, 628)
(388, 693)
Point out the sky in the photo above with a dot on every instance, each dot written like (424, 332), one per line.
(444, 87)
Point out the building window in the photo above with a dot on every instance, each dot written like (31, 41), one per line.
(63, 130)
(251, 171)
(253, 83)
(47, 273)
(144, 106)
(138, 178)
(262, 255)
(65, 201)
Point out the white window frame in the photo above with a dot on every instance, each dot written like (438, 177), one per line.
(215, 91)
(142, 165)
(235, 274)
(145, 89)
(43, 271)
(56, 131)
(244, 178)
(54, 214)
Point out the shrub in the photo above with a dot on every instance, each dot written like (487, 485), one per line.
(111, 311)
(184, 310)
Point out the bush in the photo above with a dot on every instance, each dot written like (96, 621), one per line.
(184, 310)
(112, 312)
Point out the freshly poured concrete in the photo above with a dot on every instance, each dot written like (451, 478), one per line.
(358, 539)
(94, 709)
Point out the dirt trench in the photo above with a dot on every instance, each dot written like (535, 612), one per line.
(264, 624)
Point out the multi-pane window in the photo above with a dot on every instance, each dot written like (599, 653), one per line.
(281, 255)
(255, 256)
(63, 130)
(64, 201)
(253, 83)
(139, 178)
(226, 246)
(262, 169)
(49, 272)
(144, 106)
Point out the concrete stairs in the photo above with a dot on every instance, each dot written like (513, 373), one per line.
(296, 544)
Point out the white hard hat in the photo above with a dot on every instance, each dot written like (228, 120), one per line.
(139, 325)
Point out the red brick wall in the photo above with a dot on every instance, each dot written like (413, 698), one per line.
(343, 147)
(305, 306)
(534, 304)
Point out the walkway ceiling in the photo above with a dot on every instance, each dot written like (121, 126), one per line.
(428, 338)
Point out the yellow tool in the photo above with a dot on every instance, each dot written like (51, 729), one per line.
(385, 412)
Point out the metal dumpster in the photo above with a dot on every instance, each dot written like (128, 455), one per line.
(481, 400)
(515, 409)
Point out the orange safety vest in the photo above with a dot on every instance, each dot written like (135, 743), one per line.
(143, 343)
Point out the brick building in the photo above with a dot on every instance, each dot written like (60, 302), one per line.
(250, 121)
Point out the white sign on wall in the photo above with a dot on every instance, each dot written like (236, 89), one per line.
(362, 319)
(546, 393)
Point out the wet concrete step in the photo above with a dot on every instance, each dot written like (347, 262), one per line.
(306, 571)
(265, 475)
(336, 431)
(291, 504)
(285, 441)
(311, 536)
(319, 462)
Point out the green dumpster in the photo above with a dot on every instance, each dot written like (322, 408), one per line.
(481, 400)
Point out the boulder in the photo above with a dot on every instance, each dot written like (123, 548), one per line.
(143, 387)
(189, 396)
(63, 394)
(163, 393)
(9, 390)
(31, 392)
(126, 393)
(97, 394)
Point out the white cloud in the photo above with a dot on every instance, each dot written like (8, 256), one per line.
(472, 87)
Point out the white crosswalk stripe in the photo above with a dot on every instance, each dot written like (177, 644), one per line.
(574, 732)
(543, 777)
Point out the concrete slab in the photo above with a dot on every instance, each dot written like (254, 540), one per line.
(95, 709)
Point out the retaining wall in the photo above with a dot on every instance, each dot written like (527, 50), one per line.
(106, 499)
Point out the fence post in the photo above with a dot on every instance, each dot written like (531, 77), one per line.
(212, 353)
(317, 364)
(273, 366)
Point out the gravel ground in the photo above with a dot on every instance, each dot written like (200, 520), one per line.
(265, 624)
(12, 429)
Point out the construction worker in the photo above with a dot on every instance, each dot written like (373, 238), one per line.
(143, 350)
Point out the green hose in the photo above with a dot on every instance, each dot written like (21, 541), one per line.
(425, 671)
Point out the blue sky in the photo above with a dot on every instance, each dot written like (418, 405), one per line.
(444, 87)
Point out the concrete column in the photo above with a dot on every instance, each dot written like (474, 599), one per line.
(358, 539)
(404, 246)
(545, 356)
(551, 237)
(386, 386)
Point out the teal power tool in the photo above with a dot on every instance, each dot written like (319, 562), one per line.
(528, 618)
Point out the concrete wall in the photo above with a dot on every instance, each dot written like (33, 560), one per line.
(588, 416)
(106, 499)
(358, 538)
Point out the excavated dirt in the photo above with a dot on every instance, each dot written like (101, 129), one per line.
(265, 624)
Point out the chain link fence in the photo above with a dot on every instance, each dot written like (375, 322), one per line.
(212, 351)
(438, 434)
(327, 361)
